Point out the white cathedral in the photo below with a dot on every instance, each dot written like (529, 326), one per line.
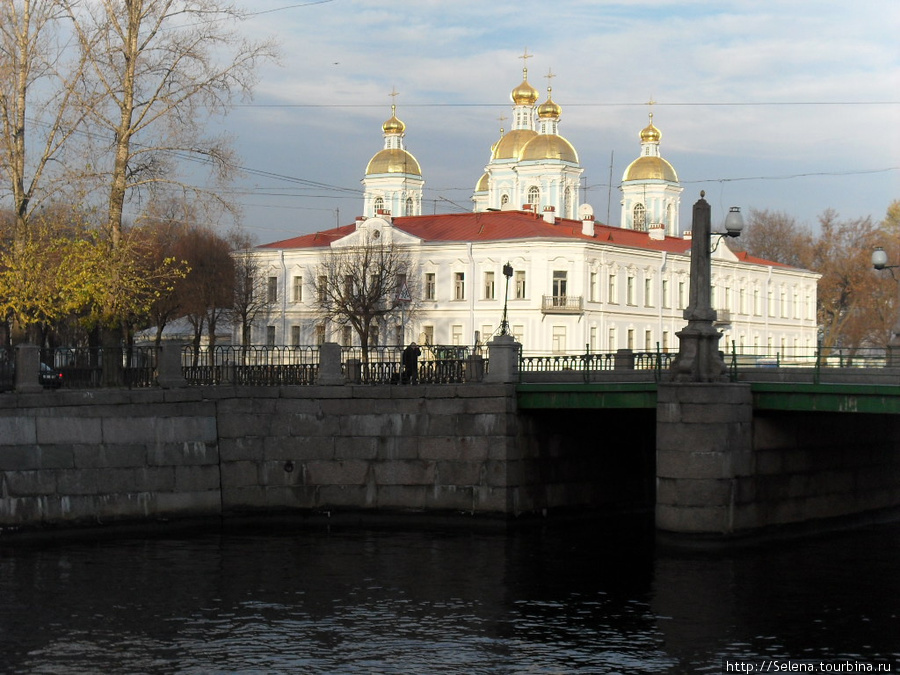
(575, 285)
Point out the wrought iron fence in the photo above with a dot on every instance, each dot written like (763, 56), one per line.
(437, 364)
(258, 365)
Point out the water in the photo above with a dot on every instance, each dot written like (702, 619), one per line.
(577, 597)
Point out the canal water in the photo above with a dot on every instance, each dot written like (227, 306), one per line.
(421, 597)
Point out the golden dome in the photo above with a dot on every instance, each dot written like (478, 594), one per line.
(549, 108)
(549, 146)
(524, 94)
(650, 134)
(650, 168)
(393, 125)
(510, 146)
(393, 160)
(483, 183)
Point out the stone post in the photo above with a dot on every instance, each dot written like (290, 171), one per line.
(624, 359)
(169, 374)
(474, 368)
(28, 369)
(704, 457)
(503, 360)
(330, 364)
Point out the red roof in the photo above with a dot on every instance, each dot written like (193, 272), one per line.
(485, 226)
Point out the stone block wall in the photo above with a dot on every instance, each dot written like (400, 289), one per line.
(723, 468)
(96, 457)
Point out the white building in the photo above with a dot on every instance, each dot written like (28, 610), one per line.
(576, 284)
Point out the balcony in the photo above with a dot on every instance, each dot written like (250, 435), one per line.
(562, 304)
(723, 317)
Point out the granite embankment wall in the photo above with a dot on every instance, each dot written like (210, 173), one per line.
(101, 456)
(725, 468)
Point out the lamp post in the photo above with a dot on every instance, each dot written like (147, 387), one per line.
(504, 324)
(879, 262)
(698, 357)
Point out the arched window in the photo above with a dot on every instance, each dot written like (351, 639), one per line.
(504, 200)
(379, 205)
(640, 217)
(409, 207)
(567, 204)
(534, 196)
(670, 221)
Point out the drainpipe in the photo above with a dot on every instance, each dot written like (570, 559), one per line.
(662, 270)
(472, 292)
(284, 292)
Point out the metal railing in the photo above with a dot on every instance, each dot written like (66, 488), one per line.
(437, 364)
(257, 365)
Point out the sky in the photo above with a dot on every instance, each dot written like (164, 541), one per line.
(782, 105)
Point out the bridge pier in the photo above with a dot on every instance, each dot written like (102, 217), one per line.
(704, 446)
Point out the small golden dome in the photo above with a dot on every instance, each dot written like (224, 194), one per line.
(393, 125)
(393, 160)
(483, 183)
(549, 108)
(650, 168)
(512, 143)
(524, 94)
(650, 134)
(549, 146)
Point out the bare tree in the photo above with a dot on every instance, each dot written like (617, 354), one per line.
(40, 101)
(163, 67)
(361, 286)
(250, 298)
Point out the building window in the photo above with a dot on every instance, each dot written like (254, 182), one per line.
(567, 204)
(428, 333)
(320, 333)
(629, 290)
(592, 289)
(670, 219)
(409, 207)
(430, 286)
(640, 217)
(295, 336)
(593, 338)
(559, 339)
(270, 336)
(489, 287)
(560, 282)
(612, 291)
(272, 289)
(630, 335)
(459, 285)
(321, 290)
(648, 340)
(379, 205)
(681, 295)
(520, 284)
(665, 293)
(742, 301)
(504, 200)
(347, 336)
(611, 340)
(757, 309)
(518, 332)
(456, 334)
(665, 341)
(534, 196)
(398, 335)
(648, 292)
(297, 289)
(373, 336)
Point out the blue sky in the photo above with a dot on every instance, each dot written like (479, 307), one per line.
(787, 105)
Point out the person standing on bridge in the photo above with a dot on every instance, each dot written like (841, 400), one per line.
(411, 363)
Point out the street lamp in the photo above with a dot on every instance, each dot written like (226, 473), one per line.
(504, 324)
(698, 357)
(879, 262)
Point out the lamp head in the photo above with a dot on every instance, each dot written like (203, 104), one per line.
(879, 258)
(734, 222)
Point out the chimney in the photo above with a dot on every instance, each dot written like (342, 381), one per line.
(359, 221)
(587, 226)
(657, 232)
(686, 235)
(528, 207)
(550, 214)
(385, 214)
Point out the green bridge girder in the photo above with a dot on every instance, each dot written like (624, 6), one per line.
(785, 396)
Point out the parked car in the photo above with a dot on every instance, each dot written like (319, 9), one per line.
(49, 377)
